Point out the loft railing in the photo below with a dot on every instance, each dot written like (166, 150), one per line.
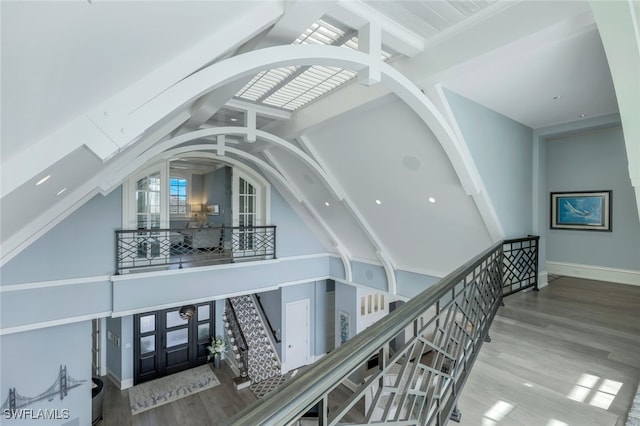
(238, 342)
(181, 248)
(424, 350)
(520, 264)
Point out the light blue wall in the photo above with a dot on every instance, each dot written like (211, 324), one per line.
(410, 284)
(136, 292)
(373, 276)
(318, 306)
(272, 303)
(39, 305)
(31, 362)
(217, 190)
(594, 161)
(293, 236)
(81, 245)
(346, 301)
(114, 356)
(503, 153)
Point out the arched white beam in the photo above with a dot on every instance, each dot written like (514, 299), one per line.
(126, 129)
(330, 182)
(203, 151)
(337, 242)
(381, 252)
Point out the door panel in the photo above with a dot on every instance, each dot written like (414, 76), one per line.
(166, 344)
(298, 334)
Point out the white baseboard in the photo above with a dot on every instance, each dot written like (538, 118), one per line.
(598, 273)
(543, 279)
(121, 384)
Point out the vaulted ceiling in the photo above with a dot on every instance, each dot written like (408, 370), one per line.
(92, 89)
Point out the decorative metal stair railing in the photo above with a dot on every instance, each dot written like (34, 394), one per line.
(425, 351)
(237, 340)
(153, 249)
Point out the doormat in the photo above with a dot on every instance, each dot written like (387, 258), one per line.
(164, 390)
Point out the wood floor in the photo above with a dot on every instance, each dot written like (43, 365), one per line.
(567, 355)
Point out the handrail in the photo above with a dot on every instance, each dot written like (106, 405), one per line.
(266, 317)
(313, 386)
(238, 335)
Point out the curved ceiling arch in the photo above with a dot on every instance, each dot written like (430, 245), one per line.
(124, 127)
(203, 151)
(329, 181)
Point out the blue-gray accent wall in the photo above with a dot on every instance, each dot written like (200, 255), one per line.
(503, 153)
(31, 363)
(410, 284)
(293, 236)
(594, 160)
(81, 245)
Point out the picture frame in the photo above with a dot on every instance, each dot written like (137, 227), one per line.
(581, 210)
(345, 326)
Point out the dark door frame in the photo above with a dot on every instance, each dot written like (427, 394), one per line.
(154, 358)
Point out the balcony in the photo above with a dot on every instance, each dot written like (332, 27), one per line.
(161, 249)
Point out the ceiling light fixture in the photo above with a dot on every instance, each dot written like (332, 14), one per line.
(233, 119)
(43, 180)
(431, 200)
(326, 203)
(61, 191)
(582, 115)
(556, 97)
(378, 202)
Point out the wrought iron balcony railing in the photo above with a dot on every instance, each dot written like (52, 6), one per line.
(180, 248)
(409, 367)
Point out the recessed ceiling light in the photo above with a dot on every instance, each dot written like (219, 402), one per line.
(378, 202)
(233, 119)
(61, 191)
(326, 203)
(582, 115)
(431, 200)
(556, 97)
(43, 180)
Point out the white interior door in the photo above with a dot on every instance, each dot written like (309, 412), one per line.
(298, 334)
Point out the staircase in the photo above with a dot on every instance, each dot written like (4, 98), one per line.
(263, 362)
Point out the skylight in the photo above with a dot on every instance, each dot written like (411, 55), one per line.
(291, 88)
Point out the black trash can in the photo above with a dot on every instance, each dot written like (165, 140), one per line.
(97, 394)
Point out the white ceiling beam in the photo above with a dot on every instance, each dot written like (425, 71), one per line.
(356, 14)
(370, 42)
(101, 129)
(111, 114)
(619, 27)
(263, 110)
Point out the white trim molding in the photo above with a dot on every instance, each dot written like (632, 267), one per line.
(53, 323)
(598, 273)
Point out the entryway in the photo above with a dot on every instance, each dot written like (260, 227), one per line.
(166, 342)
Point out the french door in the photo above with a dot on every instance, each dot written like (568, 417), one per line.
(165, 343)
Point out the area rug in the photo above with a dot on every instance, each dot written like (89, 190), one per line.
(164, 390)
(633, 418)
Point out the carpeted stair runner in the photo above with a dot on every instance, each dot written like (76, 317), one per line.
(263, 362)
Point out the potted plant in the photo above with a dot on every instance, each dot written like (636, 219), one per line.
(217, 348)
